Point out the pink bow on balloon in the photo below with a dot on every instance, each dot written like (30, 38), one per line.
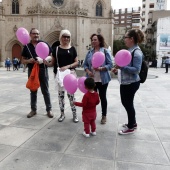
(23, 35)
(123, 58)
(42, 50)
(98, 59)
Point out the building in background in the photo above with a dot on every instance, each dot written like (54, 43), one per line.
(157, 35)
(82, 18)
(150, 6)
(124, 19)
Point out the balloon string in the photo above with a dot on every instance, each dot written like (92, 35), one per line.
(29, 51)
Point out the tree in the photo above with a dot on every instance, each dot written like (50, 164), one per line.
(119, 45)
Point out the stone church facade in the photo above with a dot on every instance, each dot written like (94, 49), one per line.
(81, 17)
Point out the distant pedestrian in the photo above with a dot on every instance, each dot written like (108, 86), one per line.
(167, 62)
(19, 64)
(89, 102)
(8, 64)
(15, 64)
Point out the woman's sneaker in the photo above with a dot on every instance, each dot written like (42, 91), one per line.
(86, 135)
(126, 131)
(126, 125)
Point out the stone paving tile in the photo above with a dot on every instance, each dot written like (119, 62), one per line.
(30, 160)
(139, 166)
(7, 119)
(163, 133)
(161, 121)
(167, 148)
(69, 162)
(50, 140)
(15, 136)
(95, 146)
(37, 122)
(5, 151)
(141, 151)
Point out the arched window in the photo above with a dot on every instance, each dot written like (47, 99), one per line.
(15, 7)
(99, 9)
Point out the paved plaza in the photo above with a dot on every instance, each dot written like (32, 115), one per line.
(41, 143)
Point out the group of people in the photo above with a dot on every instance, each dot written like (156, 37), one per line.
(65, 57)
(15, 62)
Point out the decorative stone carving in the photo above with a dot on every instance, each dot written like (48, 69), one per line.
(99, 30)
(57, 25)
(38, 9)
(15, 28)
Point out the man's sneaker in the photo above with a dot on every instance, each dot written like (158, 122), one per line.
(75, 119)
(93, 133)
(125, 125)
(50, 114)
(126, 131)
(61, 118)
(103, 120)
(86, 135)
(31, 114)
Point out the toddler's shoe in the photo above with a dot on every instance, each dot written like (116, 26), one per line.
(93, 133)
(86, 135)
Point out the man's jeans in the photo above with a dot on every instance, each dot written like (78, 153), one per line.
(43, 77)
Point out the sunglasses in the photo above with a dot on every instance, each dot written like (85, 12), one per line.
(64, 36)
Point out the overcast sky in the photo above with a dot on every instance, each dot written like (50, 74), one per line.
(118, 4)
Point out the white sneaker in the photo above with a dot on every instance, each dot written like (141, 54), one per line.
(93, 133)
(86, 135)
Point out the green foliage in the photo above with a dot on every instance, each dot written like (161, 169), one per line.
(119, 45)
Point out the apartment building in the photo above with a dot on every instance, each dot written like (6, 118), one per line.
(125, 19)
(150, 6)
(157, 31)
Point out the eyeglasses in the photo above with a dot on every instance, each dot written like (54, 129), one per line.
(35, 33)
(64, 36)
(125, 37)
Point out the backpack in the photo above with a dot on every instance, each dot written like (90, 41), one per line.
(144, 69)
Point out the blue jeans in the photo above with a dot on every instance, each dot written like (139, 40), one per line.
(43, 77)
(127, 93)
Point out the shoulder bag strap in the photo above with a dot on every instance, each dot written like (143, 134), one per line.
(133, 54)
(57, 56)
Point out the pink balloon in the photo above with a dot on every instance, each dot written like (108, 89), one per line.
(70, 83)
(123, 58)
(98, 59)
(23, 35)
(81, 85)
(42, 50)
